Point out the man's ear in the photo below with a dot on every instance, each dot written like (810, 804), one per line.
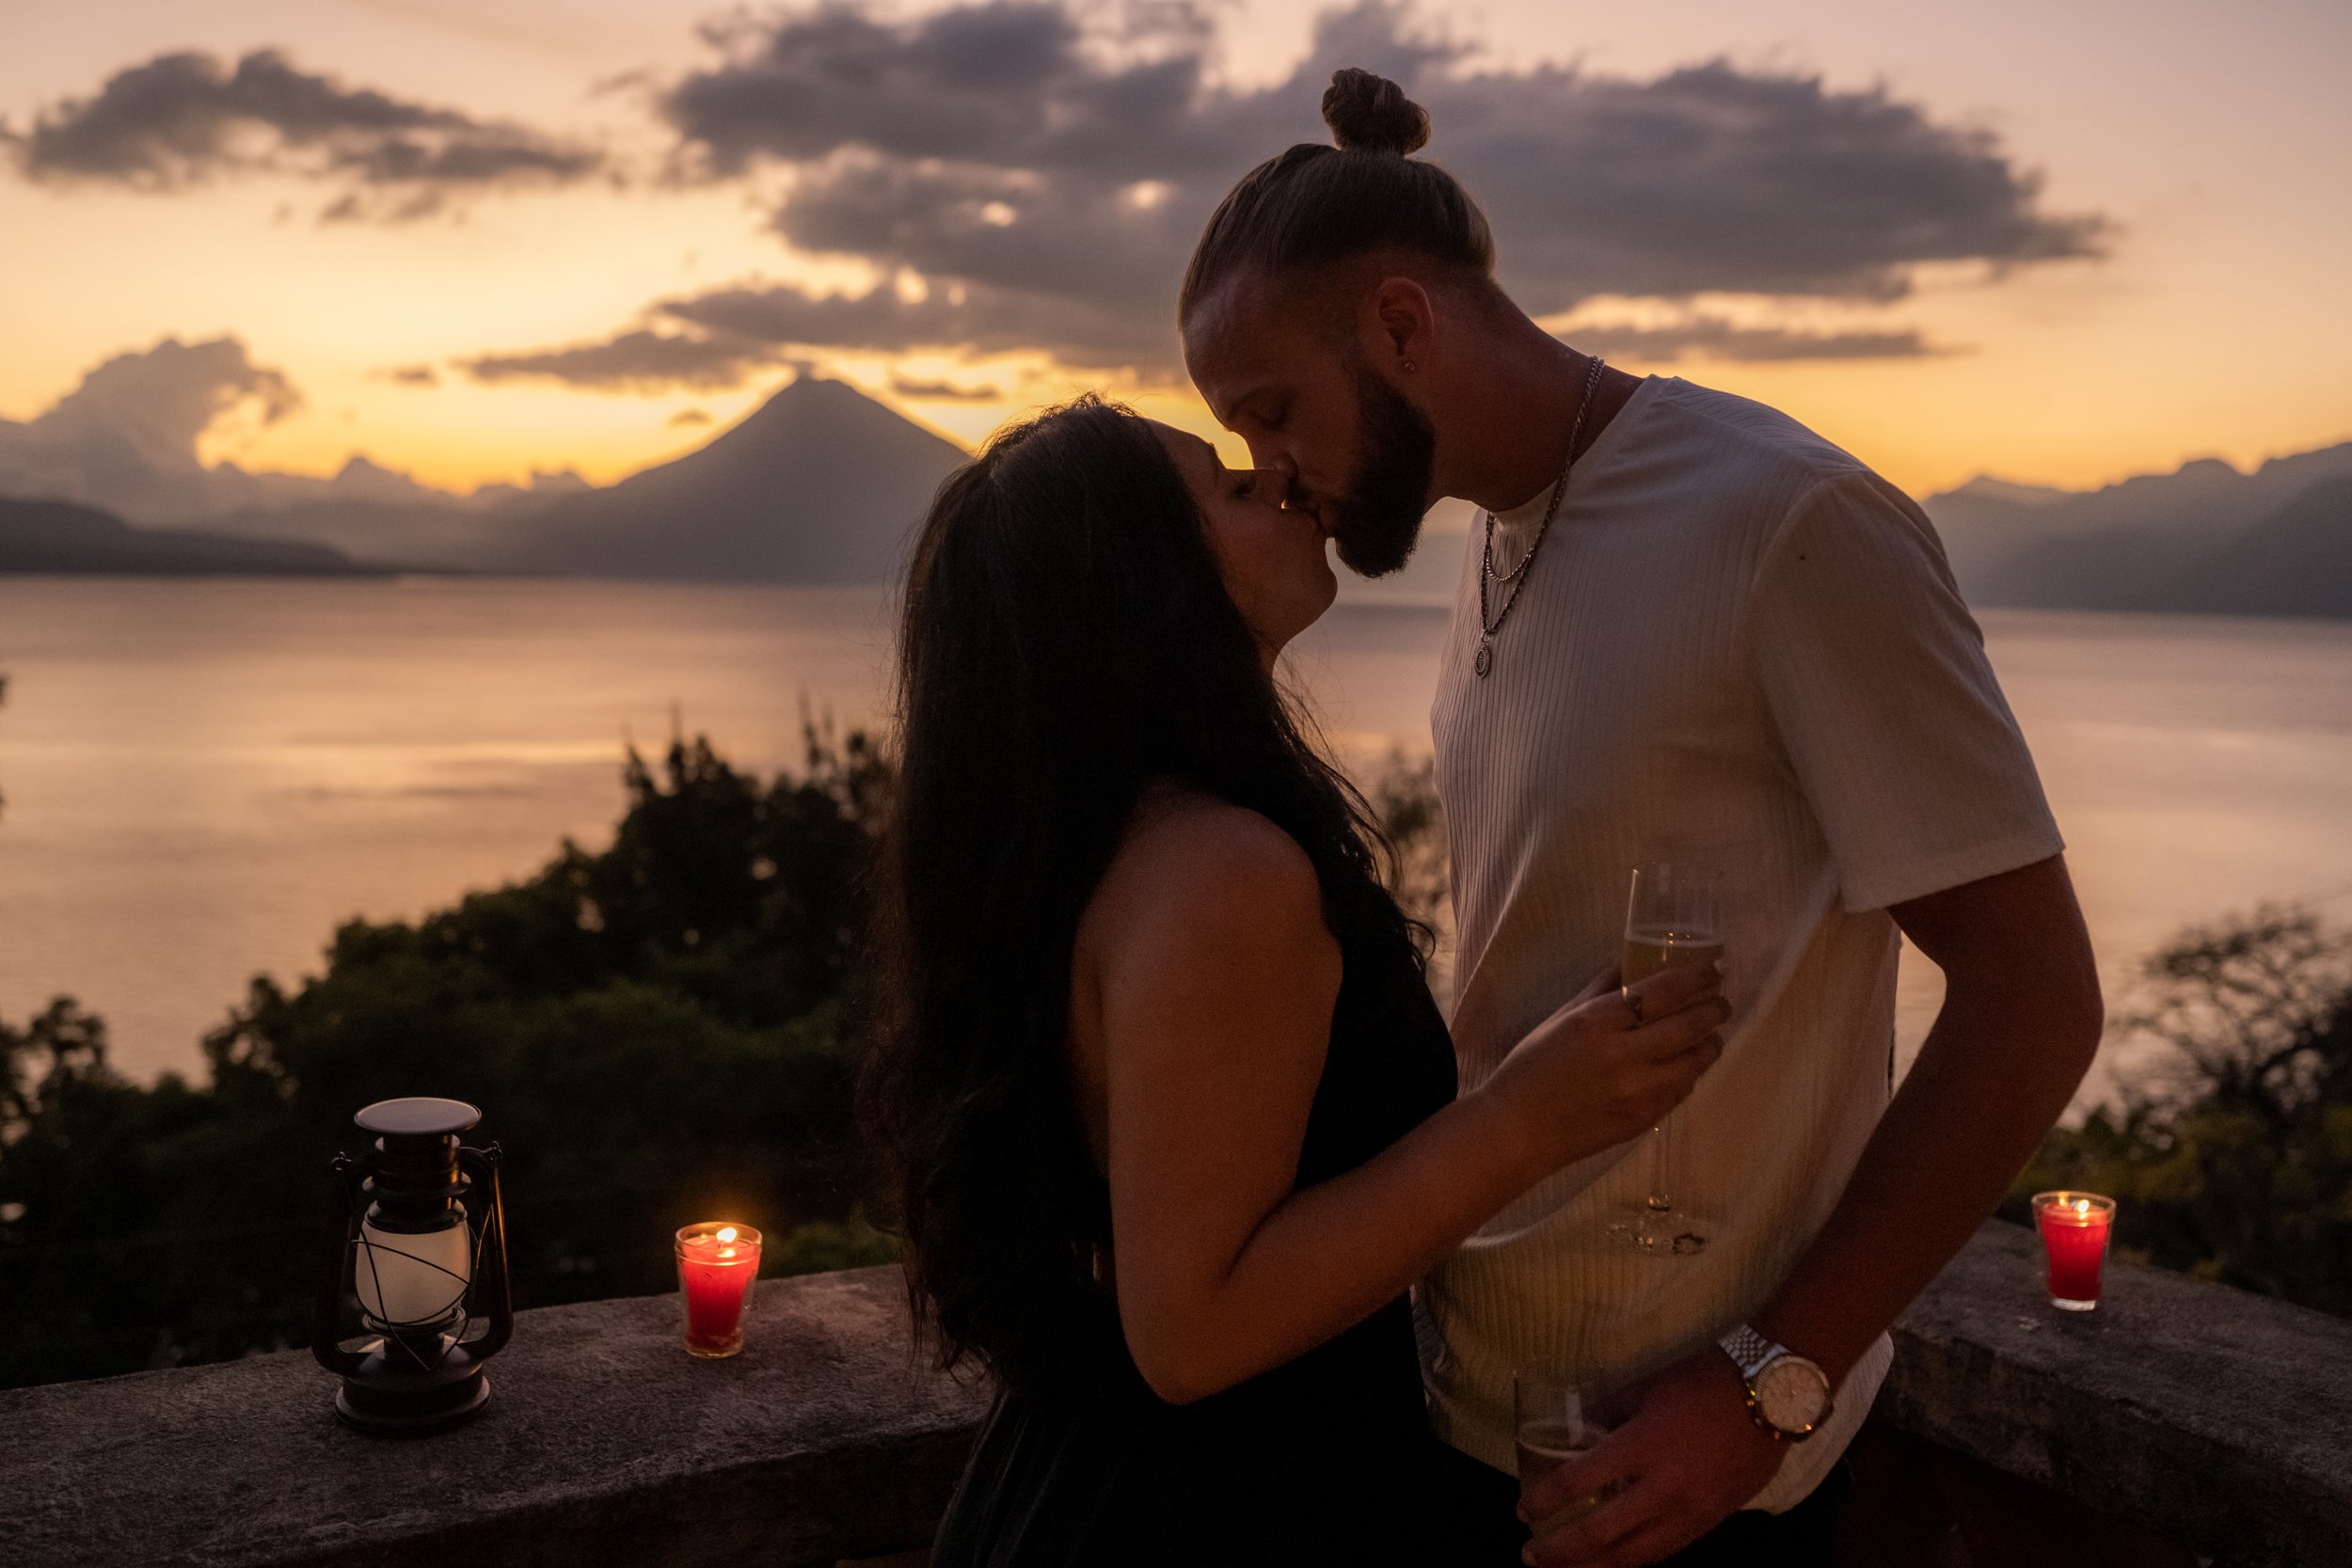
(1402, 323)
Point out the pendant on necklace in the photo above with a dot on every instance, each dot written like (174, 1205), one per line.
(1485, 659)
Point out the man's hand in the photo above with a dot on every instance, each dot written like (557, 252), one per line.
(1687, 1458)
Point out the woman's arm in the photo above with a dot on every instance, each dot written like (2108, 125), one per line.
(1211, 977)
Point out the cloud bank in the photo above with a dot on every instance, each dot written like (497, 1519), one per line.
(943, 392)
(126, 440)
(1032, 174)
(1028, 176)
(640, 360)
(184, 119)
(1713, 338)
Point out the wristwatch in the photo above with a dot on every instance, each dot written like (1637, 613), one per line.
(1788, 1395)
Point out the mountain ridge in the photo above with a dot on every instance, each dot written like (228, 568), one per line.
(819, 485)
(44, 535)
(2296, 562)
(2140, 544)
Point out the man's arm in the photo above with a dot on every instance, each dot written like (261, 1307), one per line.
(2021, 1020)
(2020, 1024)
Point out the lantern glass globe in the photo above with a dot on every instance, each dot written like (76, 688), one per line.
(413, 1279)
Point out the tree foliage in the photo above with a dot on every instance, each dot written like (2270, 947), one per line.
(663, 1031)
(2233, 1160)
(1403, 798)
(659, 1031)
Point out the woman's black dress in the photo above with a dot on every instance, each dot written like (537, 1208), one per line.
(1327, 1459)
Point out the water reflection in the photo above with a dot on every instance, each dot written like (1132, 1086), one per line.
(204, 777)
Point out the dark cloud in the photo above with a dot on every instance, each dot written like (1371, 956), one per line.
(943, 392)
(635, 361)
(1057, 238)
(1710, 178)
(1032, 178)
(182, 118)
(724, 336)
(1045, 171)
(689, 417)
(1713, 338)
(977, 317)
(1012, 84)
(414, 376)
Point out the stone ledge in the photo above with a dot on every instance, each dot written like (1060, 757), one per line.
(604, 1442)
(2221, 1419)
(2216, 1418)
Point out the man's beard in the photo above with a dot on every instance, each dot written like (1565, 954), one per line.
(1378, 516)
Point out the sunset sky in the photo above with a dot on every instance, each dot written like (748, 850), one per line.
(2062, 244)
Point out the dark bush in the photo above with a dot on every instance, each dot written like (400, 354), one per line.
(2233, 1160)
(657, 1033)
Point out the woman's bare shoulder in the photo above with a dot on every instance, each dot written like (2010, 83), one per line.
(1195, 870)
(1189, 846)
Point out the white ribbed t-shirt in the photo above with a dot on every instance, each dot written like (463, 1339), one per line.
(1738, 645)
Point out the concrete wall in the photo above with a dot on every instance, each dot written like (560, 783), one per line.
(604, 1442)
(2218, 1418)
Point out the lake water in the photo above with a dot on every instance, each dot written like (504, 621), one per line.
(203, 777)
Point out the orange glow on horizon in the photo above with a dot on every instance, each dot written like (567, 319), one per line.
(2203, 331)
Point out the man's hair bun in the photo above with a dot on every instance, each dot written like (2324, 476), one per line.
(1314, 205)
(1371, 114)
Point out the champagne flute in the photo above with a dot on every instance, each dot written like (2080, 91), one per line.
(1673, 916)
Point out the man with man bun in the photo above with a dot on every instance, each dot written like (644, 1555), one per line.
(1686, 628)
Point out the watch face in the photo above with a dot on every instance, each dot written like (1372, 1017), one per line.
(1792, 1393)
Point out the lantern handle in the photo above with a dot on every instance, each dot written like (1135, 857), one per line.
(325, 1317)
(481, 1164)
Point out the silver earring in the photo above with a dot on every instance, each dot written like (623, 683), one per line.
(1408, 367)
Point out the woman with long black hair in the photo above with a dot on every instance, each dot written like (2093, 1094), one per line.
(1167, 1113)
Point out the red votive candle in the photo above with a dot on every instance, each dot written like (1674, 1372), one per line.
(717, 1261)
(2074, 1228)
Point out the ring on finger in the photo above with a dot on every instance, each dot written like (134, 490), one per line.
(1634, 1004)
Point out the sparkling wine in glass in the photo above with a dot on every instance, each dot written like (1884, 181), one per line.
(1673, 916)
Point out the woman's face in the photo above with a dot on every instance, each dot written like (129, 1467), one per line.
(1272, 560)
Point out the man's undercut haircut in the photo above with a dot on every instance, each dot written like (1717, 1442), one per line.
(1314, 206)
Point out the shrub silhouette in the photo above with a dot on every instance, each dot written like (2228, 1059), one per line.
(656, 1032)
(2232, 1161)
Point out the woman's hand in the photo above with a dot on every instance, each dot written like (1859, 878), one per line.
(1606, 1066)
(1204, 978)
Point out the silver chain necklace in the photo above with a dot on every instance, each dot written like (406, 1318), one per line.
(1484, 659)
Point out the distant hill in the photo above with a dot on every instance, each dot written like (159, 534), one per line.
(2296, 562)
(454, 528)
(821, 484)
(2149, 543)
(62, 536)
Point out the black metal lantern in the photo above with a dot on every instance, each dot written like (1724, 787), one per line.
(417, 1235)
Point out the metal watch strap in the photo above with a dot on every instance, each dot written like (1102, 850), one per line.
(1749, 1351)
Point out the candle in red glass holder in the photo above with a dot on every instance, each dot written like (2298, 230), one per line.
(716, 1262)
(2074, 1228)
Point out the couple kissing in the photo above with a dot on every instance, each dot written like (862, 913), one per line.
(1268, 1260)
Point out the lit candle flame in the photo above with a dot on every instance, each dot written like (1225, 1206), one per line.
(727, 1233)
(2082, 1207)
